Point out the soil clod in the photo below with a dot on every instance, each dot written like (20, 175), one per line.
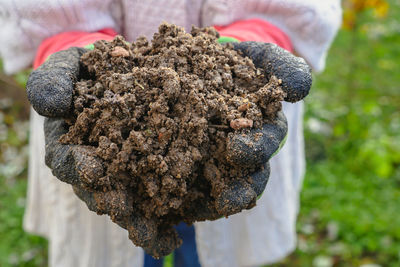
(159, 115)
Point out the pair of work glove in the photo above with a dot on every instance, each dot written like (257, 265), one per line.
(50, 91)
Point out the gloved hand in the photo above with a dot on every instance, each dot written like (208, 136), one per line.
(254, 149)
(76, 165)
(249, 150)
(50, 91)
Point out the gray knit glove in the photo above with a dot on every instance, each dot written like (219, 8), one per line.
(50, 91)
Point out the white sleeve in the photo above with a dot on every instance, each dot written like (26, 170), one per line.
(25, 24)
(310, 24)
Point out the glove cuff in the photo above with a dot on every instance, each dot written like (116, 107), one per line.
(254, 30)
(66, 40)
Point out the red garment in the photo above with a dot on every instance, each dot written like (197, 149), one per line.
(66, 40)
(256, 30)
(244, 30)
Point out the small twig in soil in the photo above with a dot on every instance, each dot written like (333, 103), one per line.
(138, 84)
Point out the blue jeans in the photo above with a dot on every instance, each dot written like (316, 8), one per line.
(185, 255)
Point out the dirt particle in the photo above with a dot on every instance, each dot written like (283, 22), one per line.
(244, 107)
(119, 51)
(241, 123)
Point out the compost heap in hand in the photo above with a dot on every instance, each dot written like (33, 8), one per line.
(159, 115)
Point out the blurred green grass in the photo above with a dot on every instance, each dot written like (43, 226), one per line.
(351, 196)
(17, 248)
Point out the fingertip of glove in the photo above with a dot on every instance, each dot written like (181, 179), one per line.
(89, 168)
(294, 72)
(61, 161)
(142, 230)
(164, 243)
(238, 196)
(49, 88)
(243, 150)
(260, 179)
(258, 145)
(86, 197)
(296, 80)
(50, 94)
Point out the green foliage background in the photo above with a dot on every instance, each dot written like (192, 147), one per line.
(351, 196)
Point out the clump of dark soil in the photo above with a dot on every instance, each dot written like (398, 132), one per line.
(159, 115)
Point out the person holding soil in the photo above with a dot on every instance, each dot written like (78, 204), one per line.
(36, 29)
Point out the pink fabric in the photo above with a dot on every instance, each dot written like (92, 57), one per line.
(244, 30)
(66, 40)
(256, 30)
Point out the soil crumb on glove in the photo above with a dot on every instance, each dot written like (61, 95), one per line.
(159, 115)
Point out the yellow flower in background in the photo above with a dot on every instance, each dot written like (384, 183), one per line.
(353, 8)
(381, 9)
